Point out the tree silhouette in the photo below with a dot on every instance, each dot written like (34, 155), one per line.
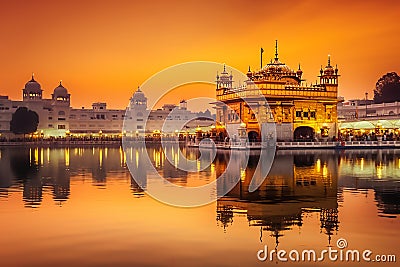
(387, 88)
(24, 121)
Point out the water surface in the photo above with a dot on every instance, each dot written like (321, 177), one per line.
(81, 207)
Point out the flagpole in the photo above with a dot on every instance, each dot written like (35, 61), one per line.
(262, 51)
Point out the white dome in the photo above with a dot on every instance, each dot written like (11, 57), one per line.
(33, 86)
(60, 91)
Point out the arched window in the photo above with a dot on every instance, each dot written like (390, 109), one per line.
(61, 113)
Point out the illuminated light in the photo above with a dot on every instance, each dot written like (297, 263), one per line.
(67, 157)
(106, 152)
(362, 164)
(121, 156)
(379, 171)
(158, 158)
(177, 159)
(137, 159)
(48, 155)
(36, 156)
(325, 171)
(212, 167)
(101, 158)
(242, 175)
(318, 165)
(41, 156)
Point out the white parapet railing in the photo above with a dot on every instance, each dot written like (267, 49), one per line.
(299, 145)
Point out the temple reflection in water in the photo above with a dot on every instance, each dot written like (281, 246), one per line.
(297, 184)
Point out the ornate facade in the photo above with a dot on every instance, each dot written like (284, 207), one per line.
(301, 111)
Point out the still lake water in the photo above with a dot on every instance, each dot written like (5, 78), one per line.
(80, 207)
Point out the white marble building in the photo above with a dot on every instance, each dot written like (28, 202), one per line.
(58, 119)
(361, 109)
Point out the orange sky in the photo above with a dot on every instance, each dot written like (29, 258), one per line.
(102, 50)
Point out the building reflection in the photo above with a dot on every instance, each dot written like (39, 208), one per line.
(373, 170)
(37, 172)
(139, 168)
(296, 185)
(299, 182)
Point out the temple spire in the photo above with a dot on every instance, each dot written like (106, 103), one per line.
(329, 60)
(33, 76)
(276, 50)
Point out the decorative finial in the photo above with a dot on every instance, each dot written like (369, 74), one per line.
(60, 82)
(138, 89)
(276, 49)
(33, 76)
(249, 69)
(224, 67)
(299, 67)
(329, 60)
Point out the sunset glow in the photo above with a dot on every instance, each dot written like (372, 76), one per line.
(103, 50)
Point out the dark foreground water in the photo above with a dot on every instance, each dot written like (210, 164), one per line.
(80, 207)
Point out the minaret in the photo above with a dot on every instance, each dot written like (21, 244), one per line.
(138, 100)
(299, 72)
(249, 73)
(224, 80)
(329, 75)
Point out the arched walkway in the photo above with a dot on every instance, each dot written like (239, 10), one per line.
(253, 136)
(304, 133)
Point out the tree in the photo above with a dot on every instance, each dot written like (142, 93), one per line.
(24, 121)
(387, 88)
